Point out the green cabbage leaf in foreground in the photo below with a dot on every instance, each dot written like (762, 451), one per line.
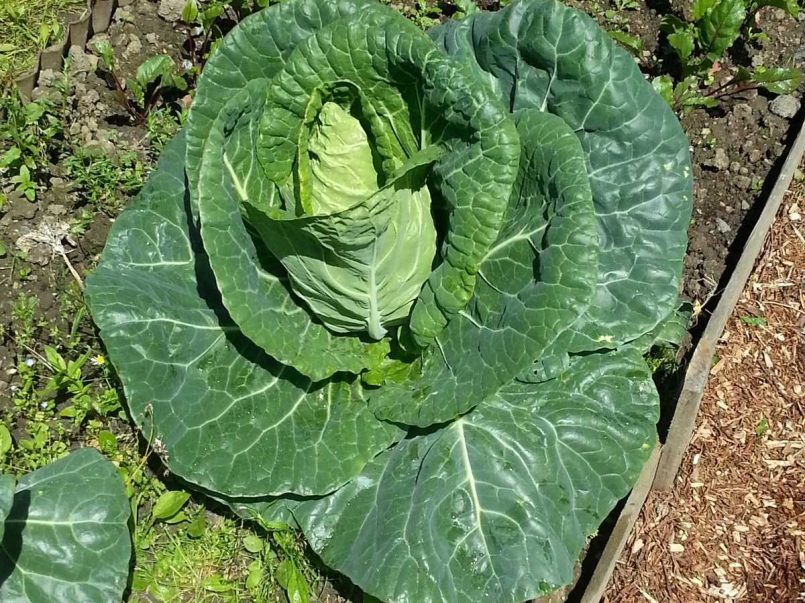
(395, 288)
(64, 533)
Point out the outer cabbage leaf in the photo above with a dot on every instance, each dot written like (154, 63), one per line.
(66, 534)
(401, 79)
(535, 281)
(230, 418)
(6, 498)
(256, 49)
(541, 54)
(497, 505)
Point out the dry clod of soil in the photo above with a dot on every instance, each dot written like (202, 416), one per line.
(124, 14)
(733, 528)
(135, 46)
(80, 61)
(742, 111)
(171, 10)
(785, 106)
(720, 160)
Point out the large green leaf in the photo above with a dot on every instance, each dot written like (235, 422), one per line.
(257, 49)
(66, 535)
(535, 281)
(229, 418)
(497, 506)
(719, 25)
(541, 54)
(6, 499)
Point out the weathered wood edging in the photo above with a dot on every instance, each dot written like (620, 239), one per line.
(95, 19)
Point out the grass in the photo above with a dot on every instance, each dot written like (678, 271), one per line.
(27, 26)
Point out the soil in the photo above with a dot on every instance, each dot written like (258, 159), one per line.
(94, 119)
(736, 149)
(732, 529)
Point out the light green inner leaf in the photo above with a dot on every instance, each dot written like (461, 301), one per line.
(342, 173)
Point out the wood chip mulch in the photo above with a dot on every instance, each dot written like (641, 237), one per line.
(733, 529)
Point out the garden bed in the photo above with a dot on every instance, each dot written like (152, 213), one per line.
(50, 244)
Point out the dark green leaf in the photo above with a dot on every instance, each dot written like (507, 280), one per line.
(190, 12)
(682, 42)
(66, 536)
(777, 80)
(5, 440)
(550, 57)
(719, 26)
(198, 381)
(502, 500)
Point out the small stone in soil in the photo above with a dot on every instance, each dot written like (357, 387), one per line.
(722, 226)
(720, 161)
(124, 15)
(18, 207)
(745, 205)
(735, 167)
(134, 46)
(785, 106)
(743, 182)
(57, 209)
(80, 61)
(171, 10)
(755, 155)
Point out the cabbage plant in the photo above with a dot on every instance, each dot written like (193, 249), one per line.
(394, 288)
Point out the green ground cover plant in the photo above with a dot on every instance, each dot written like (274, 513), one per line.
(395, 289)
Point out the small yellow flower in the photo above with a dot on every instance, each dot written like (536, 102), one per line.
(98, 360)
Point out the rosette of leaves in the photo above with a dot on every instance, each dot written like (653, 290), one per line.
(64, 532)
(394, 288)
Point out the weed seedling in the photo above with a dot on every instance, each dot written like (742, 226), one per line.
(140, 94)
(29, 129)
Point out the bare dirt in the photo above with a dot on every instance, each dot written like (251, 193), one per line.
(733, 529)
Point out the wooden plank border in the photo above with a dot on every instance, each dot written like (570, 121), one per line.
(599, 581)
